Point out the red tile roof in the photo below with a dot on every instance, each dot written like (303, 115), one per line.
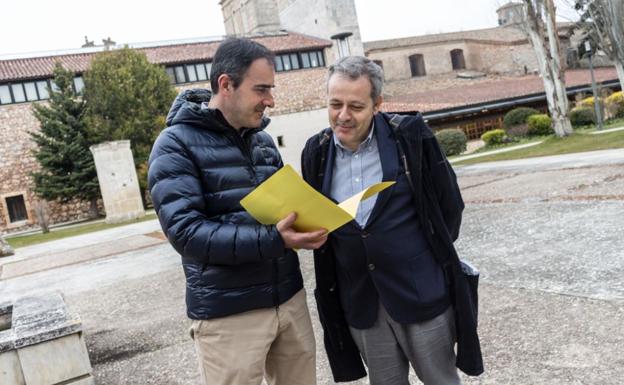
(497, 35)
(40, 67)
(459, 94)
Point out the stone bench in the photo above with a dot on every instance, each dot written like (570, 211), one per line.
(41, 343)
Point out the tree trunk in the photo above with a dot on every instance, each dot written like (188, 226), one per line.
(545, 42)
(93, 209)
(619, 66)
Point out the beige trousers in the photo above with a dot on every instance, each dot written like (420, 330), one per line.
(277, 343)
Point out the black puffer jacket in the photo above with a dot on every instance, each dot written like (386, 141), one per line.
(199, 170)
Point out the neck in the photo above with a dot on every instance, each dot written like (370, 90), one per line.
(217, 103)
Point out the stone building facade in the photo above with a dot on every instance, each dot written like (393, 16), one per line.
(298, 89)
(421, 74)
(500, 50)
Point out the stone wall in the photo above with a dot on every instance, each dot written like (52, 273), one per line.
(16, 165)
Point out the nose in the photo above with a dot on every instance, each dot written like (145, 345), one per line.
(268, 101)
(343, 114)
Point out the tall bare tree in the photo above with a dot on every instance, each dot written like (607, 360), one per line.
(605, 19)
(541, 29)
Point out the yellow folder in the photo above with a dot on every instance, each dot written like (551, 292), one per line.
(285, 192)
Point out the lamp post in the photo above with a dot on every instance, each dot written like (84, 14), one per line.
(588, 49)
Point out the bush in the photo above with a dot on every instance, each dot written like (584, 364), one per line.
(582, 116)
(587, 102)
(517, 130)
(493, 137)
(540, 124)
(453, 141)
(615, 105)
(518, 116)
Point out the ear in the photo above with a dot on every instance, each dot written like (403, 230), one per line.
(377, 104)
(225, 83)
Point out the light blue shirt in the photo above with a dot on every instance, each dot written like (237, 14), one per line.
(356, 170)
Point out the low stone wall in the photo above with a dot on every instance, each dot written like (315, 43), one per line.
(41, 343)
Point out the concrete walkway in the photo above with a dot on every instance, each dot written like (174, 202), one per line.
(551, 289)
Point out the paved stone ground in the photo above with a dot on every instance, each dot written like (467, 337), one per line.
(547, 240)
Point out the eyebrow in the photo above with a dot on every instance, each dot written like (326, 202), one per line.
(264, 86)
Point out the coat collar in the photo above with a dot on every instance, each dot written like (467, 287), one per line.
(389, 163)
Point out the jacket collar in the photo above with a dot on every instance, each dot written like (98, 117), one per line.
(389, 163)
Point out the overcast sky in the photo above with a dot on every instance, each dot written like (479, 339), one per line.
(45, 25)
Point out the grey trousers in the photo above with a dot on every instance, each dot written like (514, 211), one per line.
(389, 347)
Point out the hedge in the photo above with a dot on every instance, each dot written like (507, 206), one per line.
(540, 124)
(493, 137)
(582, 116)
(518, 116)
(453, 141)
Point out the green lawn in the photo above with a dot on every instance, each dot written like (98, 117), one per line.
(580, 141)
(63, 232)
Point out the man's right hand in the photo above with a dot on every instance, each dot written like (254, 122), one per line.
(296, 240)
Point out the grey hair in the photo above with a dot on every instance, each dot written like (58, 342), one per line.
(356, 66)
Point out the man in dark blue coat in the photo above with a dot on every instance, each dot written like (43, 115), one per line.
(383, 280)
(244, 290)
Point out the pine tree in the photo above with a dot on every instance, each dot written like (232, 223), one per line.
(67, 167)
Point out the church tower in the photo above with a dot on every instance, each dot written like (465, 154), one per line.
(250, 17)
(327, 19)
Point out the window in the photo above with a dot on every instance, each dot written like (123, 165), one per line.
(18, 93)
(180, 75)
(298, 60)
(16, 208)
(417, 65)
(294, 60)
(189, 73)
(31, 91)
(5, 95)
(201, 72)
(42, 89)
(78, 84)
(192, 75)
(457, 59)
(286, 61)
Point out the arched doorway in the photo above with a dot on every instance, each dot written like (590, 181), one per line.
(417, 65)
(457, 59)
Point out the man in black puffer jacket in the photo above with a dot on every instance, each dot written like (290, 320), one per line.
(244, 290)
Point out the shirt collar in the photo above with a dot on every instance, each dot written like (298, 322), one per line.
(365, 144)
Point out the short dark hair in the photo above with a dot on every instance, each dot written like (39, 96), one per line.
(233, 57)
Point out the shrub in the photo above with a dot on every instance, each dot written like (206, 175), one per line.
(493, 137)
(615, 105)
(582, 116)
(518, 116)
(517, 130)
(453, 141)
(540, 124)
(587, 102)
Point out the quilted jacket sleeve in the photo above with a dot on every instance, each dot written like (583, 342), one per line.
(176, 191)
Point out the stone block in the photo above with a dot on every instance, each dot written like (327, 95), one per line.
(65, 358)
(10, 369)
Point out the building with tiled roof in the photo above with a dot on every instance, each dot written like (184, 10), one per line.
(300, 79)
(421, 75)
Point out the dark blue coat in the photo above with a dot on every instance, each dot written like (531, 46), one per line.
(389, 259)
(199, 170)
(439, 206)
